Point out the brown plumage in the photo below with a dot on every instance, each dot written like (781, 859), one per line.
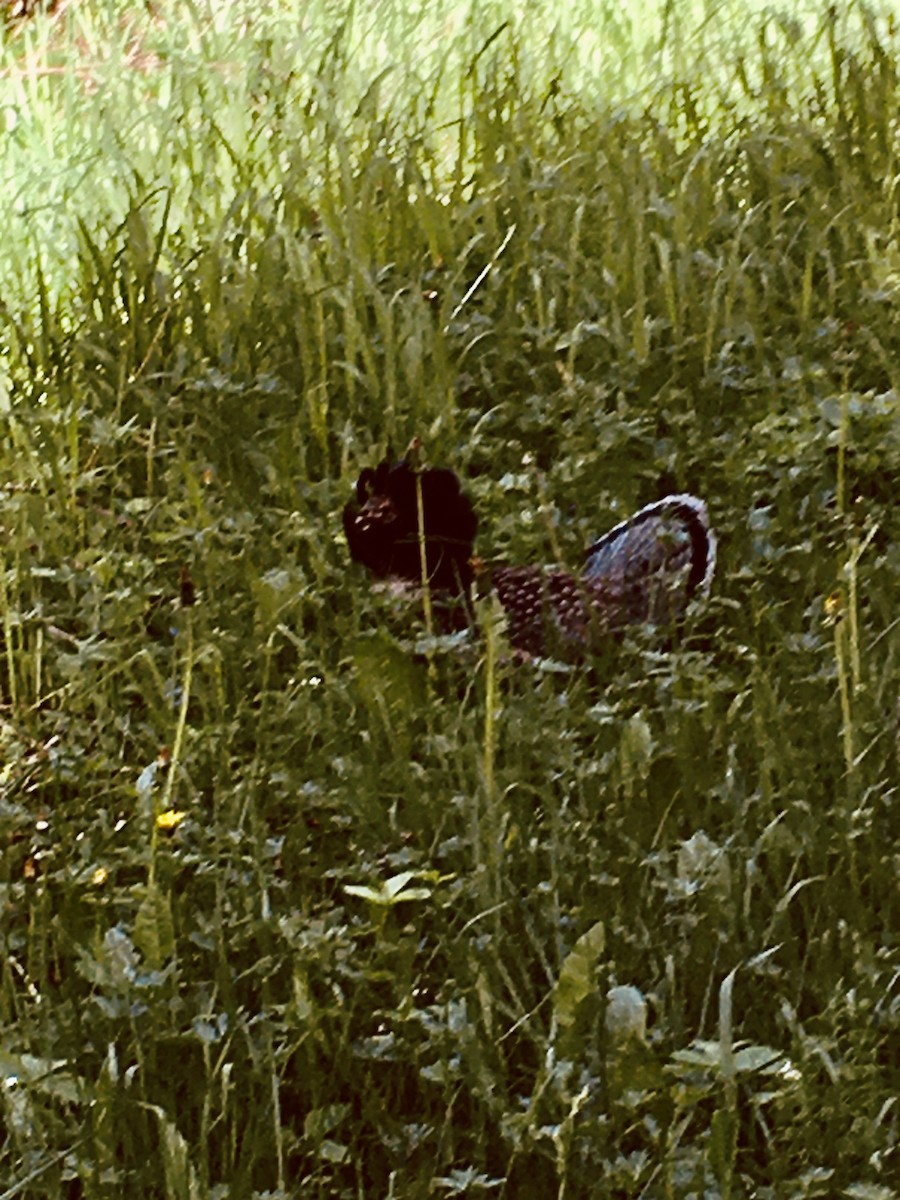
(645, 570)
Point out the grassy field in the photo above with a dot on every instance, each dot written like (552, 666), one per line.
(296, 903)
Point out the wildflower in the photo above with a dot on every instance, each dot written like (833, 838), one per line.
(170, 819)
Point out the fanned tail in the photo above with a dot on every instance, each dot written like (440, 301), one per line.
(648, 568)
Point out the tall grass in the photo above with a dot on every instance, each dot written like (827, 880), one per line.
(297, 899)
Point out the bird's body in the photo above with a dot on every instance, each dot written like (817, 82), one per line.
(644, 571)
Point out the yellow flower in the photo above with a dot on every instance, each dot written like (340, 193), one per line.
(170, 819)
(833, 606)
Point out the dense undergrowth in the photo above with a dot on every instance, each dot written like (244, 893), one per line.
(298, 903)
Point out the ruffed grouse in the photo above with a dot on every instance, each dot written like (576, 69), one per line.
(645, 570)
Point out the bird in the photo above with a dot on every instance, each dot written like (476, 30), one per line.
(417, 525)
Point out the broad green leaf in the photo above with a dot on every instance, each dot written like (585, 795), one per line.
(392, 686)
(154, 929)
(391, 892)
(577, 977)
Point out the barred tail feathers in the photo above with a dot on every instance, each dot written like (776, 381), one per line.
(648, 567)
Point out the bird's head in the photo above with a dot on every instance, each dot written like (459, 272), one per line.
(396, 509)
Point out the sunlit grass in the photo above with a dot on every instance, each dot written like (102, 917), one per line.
(297, 899)
(100, 103)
